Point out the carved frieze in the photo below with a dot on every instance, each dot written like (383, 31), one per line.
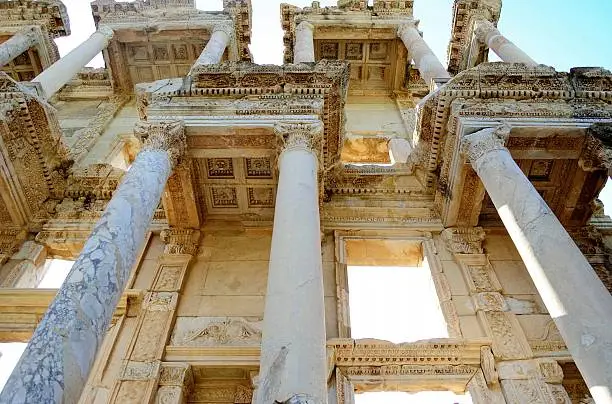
(214, 331)
(35, 153)
(464, 240)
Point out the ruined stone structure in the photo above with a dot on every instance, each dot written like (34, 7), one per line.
(212, 206)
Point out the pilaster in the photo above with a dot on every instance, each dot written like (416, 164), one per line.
(142, 366)
(25, 269)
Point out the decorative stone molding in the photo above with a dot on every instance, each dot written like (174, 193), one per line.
(597, 151)
(478, 144)
(97, 181)
(164, 136)
(133, 370)
(86, 137)
(465, 14)
(180, 241)
(464, 240)
(487, 364)
(50, 14)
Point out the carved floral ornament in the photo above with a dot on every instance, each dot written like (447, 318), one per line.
(597, 151)
(300, 136)
(165, 136)
(480, 143)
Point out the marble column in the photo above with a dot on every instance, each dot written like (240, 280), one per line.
(214, 49)
(575, 297)
(53, 78)
(293, 364)
(58, 358)
(303, 51)
(424, 59)
(507, 51)
(18, 43)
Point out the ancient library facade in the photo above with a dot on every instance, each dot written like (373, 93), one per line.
(184, 225)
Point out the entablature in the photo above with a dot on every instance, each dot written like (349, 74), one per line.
(158, 41)
(549, 113)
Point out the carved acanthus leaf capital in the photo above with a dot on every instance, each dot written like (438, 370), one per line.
(164, 136)
(407, 31)
(302, 135)
(304, 25)
(464, 240)
(597, 150)
(478, 144)
(180, 241)
(226, 27)
(106, 31)
(483, 29)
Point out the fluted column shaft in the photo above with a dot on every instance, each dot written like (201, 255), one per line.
(293, 365)
(303, 50)
(575, 297)
(507, 51)
(53, 78)
(424, 59)
(17, 44)
(214, 49)
(58, 358)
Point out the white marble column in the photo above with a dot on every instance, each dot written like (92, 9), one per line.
(293, 365)
(53, 78)
(575, 297)
(424, 59)
(303, 50)
(214, 49)
(58, 358)
(18, 43)
(507, 51)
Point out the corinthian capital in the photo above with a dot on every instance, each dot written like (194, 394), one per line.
(483, 29)
(478, 144)
(226, 27)
(164, 136)
(301, 135)
(105, 31)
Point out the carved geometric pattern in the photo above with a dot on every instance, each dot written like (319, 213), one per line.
(329, 50)
(258, 167)
(224, 197)
(261, 197)
(220, 168)
(540, 170)
(379, 50)
(354, 51)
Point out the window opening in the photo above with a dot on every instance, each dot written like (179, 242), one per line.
(56, 270)
(394, 303)
(423, 397)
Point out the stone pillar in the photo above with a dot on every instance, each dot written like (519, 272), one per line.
(175, 383)
(303, 51)
(486, 32)
(214, 49)
(425, 60)
(26, 268)
(58, 358)
(575, 297)
(142, 363)
(17, 44)
(293, 352)
(53, 78)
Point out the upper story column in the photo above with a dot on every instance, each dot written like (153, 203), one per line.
(303, 50)
(18, 43)
(425, 60)
(293, 365)
(486, 32)
(58, 358)
(53, 78)
(575, 297)
(214, 49)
